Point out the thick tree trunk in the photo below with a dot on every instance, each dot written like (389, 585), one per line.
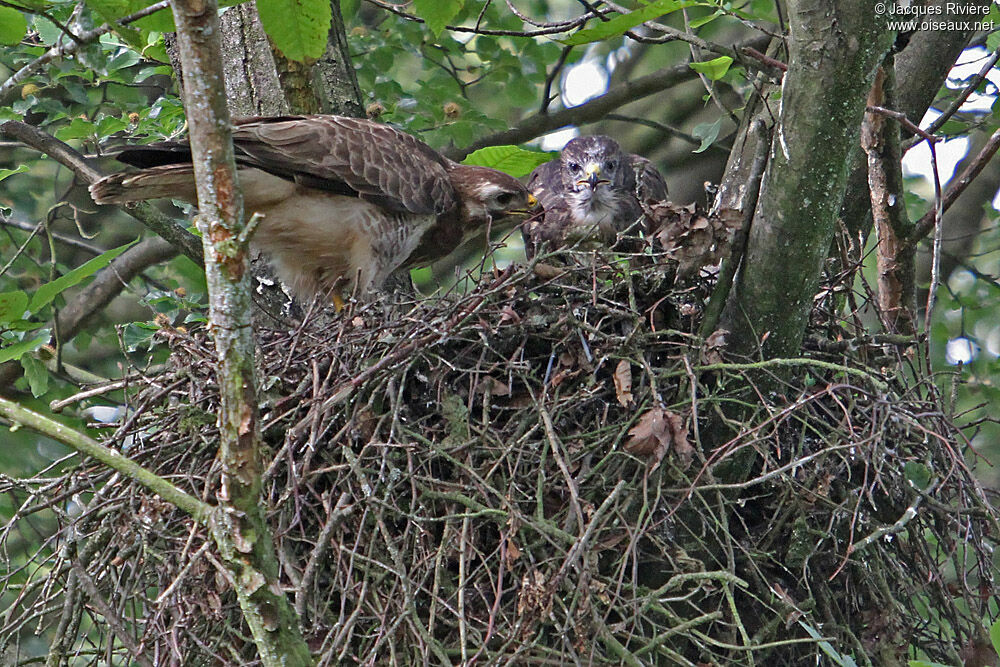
(835, 47)
(239, 526)
(260, 81)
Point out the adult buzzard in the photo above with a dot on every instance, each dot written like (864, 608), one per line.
(345, 201)
(592, 191)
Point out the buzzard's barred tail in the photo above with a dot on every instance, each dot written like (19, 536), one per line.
(170, 181)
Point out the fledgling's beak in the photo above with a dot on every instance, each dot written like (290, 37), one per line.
(593, 172)
(532, 205)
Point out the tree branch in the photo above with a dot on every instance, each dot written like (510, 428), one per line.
(199, 510)
(7, 89)
(830, 70)
(880, 141)
(588, 112)
(89, 172)
(106, 285)
(955, 188)
(240, 530)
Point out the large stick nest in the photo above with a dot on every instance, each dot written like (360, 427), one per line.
(539, 471)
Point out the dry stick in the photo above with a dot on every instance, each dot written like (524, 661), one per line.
(111, 616)
(334, 518)
(936, 250)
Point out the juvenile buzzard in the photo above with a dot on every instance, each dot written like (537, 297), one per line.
(592, 190)
(345, 201)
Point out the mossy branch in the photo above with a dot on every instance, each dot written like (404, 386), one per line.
(84, 444)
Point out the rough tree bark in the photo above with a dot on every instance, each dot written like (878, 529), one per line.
(835, 47)
(921, 69)
(239, 527)
(881, 144)
(260, 81)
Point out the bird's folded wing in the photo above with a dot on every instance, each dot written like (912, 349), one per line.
(383, 165)
(546, 184)
(650, 185)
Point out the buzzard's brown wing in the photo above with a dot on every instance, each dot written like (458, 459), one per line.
(347, 156)
(650, 186)
(381, 164)
(546, 183)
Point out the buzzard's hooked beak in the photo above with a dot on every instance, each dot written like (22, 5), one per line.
(532, 205)
(593, 172)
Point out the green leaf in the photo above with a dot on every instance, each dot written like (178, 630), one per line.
(12, 306)
(13, 26)
(708, 133)
(924, 663)
(697, 23)
(621, 24)
(299, 28)
(917, 474)
(37, 375)
(4, 173)
(832, 653)
(138, 334)
(44, 294)
(512, 160)
(78, 128)
(714, 69)
(995, 636)
(437, 13)
(993, 41)
(17, 349)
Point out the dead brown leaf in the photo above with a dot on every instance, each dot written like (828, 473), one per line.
(658, 431)
(711, 351)
(623, 383)
(495, 387)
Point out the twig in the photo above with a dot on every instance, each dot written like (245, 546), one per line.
(767, 60)
(936, 246)
(904, 121)
(65, 240)
(956, 188)
(87, 169)
(960, 100)
(111, 617)
(7, 89)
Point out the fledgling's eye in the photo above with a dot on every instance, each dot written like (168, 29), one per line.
(611, 165)
(504, 199)
(574, 166)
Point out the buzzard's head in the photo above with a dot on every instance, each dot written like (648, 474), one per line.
(596, 174)
(487, 195)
